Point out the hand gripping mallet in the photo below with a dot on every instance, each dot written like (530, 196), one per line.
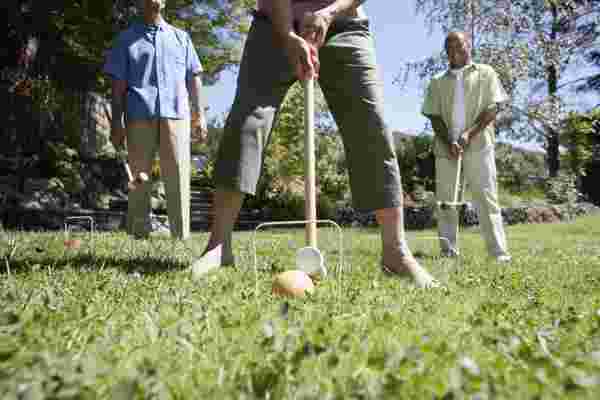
(309, 259)
(141, 178)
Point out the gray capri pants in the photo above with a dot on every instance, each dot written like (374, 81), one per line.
(353, 90)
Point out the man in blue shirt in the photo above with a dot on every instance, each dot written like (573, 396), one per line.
(156, 87)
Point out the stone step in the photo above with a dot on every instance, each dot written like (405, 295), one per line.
(200, 201)
(194, 200)
(195, 182)
(103, 220)
(194, 195)
(201, 212)
(55, 219)
(201, 226)
(199, 208)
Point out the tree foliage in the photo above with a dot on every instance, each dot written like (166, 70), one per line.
(416, 162)
(284, 160)
(519, 170)
(53, 51)
(581, 137)
(71, 37)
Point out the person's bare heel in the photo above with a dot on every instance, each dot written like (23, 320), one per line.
(406, 266)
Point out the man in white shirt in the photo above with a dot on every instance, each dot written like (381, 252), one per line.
(462, 106)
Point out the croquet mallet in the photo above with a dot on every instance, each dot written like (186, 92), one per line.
(139, 179)
(446, 205)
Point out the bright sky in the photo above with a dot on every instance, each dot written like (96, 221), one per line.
(400, 36)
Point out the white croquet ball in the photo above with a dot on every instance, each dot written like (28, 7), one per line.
(293, 283)
(310, 260)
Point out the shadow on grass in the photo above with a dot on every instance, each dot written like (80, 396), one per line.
(144, 265)
(421, 255)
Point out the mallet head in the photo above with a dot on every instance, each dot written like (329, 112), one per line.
(140, 179)
(447, 205)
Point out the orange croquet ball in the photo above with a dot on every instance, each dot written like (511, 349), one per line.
(294, 283)
(73, 243)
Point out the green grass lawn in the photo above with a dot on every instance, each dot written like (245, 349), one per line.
(122, 319)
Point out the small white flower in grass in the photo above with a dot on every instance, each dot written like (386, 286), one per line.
(469, 365)
(587, 381)
(268, 329)
(595, 356)
(221, 377)
(541, 376)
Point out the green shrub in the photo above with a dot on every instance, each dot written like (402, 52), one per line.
(332, 175)
(582, 138)
(204, 177)
(578, 136)
(287, 206)
(326, 207)
(416, 162)
(516, 167)
(64, 163)
(562, 189)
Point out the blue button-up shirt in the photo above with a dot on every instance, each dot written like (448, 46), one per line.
(157, 62)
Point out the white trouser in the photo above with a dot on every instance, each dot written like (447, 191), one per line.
(479, 169)
(171, 137)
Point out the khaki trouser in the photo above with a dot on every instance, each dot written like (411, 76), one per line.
(479, 169)
(171, 137)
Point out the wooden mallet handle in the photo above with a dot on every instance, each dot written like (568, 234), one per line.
(310, 203)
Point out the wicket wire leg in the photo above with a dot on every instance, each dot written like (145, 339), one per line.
(88, 218)
(70, 221)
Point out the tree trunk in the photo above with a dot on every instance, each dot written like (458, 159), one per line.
(552, 152)
(552, 134)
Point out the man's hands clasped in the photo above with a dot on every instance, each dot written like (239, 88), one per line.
(458, 147)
